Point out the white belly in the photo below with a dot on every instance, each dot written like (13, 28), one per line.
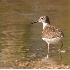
(53, 40)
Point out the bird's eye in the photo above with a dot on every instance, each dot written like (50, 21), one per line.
(41, 18)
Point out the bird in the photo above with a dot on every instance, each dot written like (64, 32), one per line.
(50, 33)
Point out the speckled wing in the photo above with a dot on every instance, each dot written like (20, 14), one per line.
(52, 32)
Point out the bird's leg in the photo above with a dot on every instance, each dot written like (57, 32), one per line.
(48, 51)
(48, 47)
(61, 46)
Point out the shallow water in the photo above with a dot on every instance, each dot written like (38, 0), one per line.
(19, 40)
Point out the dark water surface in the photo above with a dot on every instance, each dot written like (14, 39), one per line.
(19, 40)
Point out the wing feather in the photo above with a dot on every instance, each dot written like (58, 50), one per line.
(51, 32)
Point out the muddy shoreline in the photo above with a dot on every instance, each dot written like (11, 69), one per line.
(39, 64)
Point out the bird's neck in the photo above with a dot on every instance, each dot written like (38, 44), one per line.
(45, 24)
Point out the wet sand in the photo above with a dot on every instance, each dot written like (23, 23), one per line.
(39, 64)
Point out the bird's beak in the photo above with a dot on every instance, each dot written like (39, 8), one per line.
(34, 22)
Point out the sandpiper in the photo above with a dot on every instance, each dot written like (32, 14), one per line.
(50, 34)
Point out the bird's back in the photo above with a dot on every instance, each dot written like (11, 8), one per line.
(51, 32)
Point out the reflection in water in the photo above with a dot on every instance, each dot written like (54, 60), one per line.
(11, 41)
(51, 61)
(12, 36)
(15, 42)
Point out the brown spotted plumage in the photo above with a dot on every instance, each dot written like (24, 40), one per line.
(51, 32)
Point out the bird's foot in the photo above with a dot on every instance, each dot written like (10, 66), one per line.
(59, 49)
